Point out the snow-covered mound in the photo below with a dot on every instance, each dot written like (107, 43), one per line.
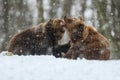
(51, 68)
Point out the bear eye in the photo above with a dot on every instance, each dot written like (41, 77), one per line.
(69, 20)
(80, 27)
(61, 30)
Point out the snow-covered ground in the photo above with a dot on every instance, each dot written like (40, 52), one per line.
(51, 68)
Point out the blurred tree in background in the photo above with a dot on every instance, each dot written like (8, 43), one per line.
(16, 15)
(40, 11)
(5, 25)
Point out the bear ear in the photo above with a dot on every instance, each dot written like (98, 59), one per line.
(81, 18)
(50, 21)
(65, 17)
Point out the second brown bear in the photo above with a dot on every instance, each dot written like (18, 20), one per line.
(86, 41)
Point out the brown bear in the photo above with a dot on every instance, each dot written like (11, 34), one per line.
(86, 41)
(42, 39)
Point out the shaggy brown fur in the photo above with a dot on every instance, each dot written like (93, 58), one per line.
(86, 41)
(38, 40)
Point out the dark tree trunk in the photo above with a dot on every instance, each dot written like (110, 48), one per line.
(40, 11)
(54, 5)
(67, 7)
(5, 25)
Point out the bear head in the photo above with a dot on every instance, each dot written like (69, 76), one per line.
(76, 28)
(56, 30)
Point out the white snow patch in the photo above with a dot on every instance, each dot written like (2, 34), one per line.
(3, 53)
(112, 33)
(65, 39)
(51, 68)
